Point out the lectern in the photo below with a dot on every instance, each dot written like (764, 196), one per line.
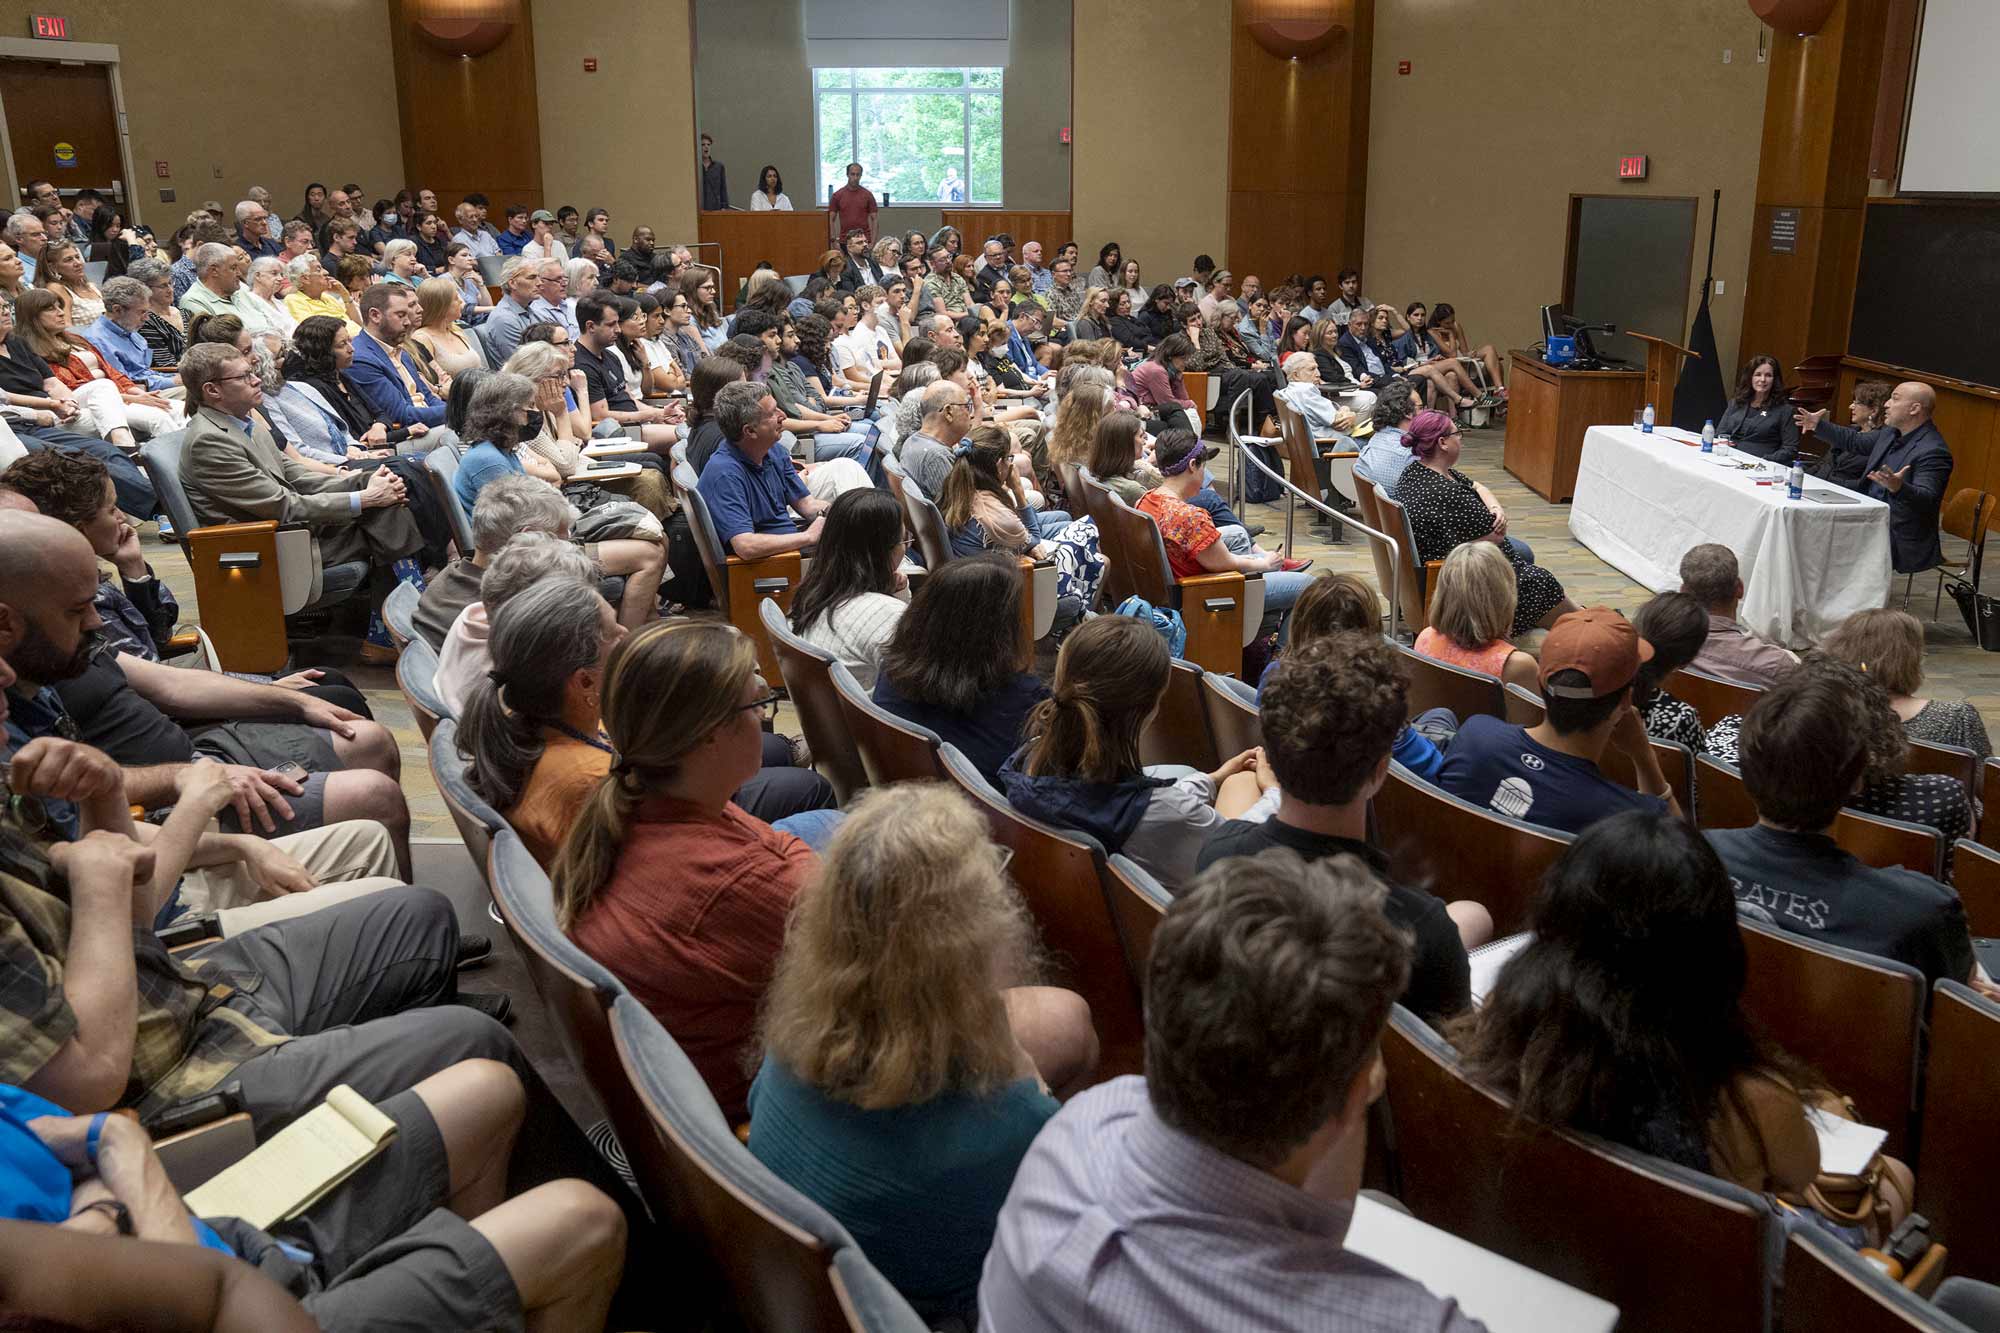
(1663, 371)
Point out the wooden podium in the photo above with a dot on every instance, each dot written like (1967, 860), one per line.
(1548, 411)
(1663, 372)
(792, 241)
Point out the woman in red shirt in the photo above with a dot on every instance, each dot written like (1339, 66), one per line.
(664, 879)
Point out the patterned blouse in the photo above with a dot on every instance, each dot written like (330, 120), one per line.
(1446, 511)
(1949, 722)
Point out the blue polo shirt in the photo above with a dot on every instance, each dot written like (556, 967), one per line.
(750, 497)
(482, 463)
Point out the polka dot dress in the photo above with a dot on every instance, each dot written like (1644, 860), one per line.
(1445, 511)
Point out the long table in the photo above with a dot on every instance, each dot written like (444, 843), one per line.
(1643, 501)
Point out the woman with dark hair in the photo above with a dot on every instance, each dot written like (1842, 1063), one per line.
(981, 499)
(1130, 332)
(847, 603)
(680, 336)
(770, 194)
(1120, 456)
(948, 237)
(1110, 267)
(956, 663)
(1158, 315)
(314, 211)
(432, 238)
(697, 284)
(385, 224)
(1758, 421)
(1447, 507)
(112, 243)
(1645, 1046)
(915, 246)
(1457, 346)
(315, 372)
(1080, 768)
(1443, 381)
(1677, 626)
(1849, 467)
(1156, 381)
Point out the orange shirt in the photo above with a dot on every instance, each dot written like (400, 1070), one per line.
(558, 786)
(1491, 659)
(1187, 530)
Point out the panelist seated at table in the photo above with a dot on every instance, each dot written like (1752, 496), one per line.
(1909, 469)
(1759, 419)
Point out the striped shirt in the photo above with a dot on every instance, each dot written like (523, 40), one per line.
(1117, 1222)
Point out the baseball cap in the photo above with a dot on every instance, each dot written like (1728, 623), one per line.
(1601, 644)
(1178, 450)
(541, 215)
(1182, 284)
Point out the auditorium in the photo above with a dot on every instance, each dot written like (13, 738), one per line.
(999, 666)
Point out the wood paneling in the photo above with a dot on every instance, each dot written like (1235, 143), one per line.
(791, 241)
(1797, 305)
(469, 124)
(1899, 48)
(1051, 228)
(1968, 416)
(1298, 150)
(1549, 411)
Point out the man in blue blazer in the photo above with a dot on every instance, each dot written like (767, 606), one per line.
(1909, 469)
(383, 375)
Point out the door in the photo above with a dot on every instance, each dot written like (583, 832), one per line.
(62, 125)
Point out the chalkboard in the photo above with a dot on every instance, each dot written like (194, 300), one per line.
(1928, 296)
(1629, 257)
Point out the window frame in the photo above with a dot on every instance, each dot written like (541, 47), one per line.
(856, 87)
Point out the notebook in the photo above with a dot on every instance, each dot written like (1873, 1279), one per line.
(1833, 497)
(300, 1164)
(1488, 959)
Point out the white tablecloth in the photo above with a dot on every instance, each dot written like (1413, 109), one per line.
(1643, 501)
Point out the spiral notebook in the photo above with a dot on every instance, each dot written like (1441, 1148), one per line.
(300, 1164)
(1488, 959)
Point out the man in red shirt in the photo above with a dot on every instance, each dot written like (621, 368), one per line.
(850, 207)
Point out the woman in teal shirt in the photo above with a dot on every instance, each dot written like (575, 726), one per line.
(896, 1092)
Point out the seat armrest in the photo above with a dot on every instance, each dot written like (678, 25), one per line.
(1212, 608)
(613, 447)
(244, 588)
(750, 582)
(195, 1156)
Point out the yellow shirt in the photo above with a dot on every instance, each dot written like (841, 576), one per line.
(301, 307)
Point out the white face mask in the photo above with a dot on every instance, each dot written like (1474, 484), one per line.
(389, 219)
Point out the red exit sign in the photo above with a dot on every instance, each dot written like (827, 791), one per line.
(49, 25)
(1632, 168)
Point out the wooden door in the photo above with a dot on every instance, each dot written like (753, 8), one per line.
(69, 105)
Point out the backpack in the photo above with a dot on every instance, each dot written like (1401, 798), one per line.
(1162, 618)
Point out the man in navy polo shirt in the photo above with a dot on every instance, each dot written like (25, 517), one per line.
(752, 490)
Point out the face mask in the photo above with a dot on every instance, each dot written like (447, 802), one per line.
(533, 427)
(388, 219)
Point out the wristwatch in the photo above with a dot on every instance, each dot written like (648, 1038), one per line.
(121, 1216)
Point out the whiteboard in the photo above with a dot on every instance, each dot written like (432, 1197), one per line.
(1953, 141)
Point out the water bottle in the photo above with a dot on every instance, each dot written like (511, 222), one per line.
(1708, 436)
(1646, 422)
(1795, 485)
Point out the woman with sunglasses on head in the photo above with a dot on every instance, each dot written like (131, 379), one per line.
(664, 878)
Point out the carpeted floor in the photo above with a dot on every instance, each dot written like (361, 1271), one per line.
(1955, 667)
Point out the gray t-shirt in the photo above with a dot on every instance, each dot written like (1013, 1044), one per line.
(928, 464)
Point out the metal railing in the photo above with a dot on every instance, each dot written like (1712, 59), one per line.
(1242, 408)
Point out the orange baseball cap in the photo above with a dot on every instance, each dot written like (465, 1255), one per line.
(1601, 644)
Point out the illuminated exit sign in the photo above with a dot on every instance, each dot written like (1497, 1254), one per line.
(49, 25)
(1632, 168)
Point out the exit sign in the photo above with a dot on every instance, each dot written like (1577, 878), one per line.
(1632, 168)
(49, 25)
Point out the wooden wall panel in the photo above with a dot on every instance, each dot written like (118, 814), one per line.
(469, 124)
(1050, 227)
(1298, 150)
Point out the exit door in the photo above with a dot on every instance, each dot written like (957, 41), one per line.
(62, 125)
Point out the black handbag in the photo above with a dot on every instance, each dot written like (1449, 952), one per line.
(1982, 613)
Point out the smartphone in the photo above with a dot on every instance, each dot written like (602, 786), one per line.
(296, 772)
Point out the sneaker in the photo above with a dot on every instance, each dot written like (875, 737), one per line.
(1294, 566)
(165, 526)
(473, 950)
(491, 1003)
(802, 754)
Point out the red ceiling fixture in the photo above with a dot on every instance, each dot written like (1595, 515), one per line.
(464, 28)
(1294, 29)
(1801, 18)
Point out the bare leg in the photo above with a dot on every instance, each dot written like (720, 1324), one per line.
(364, 793)
(564, 1245)
(643, 564)
(373, 746)
(1474, 922)
(1238, 793)
(1562, 609)
(1492, 364)
(1052, 1026)
(478, 1105)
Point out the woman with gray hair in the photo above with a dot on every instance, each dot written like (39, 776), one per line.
(165, 331)
(399, 262)
(561, 399)
(499, 420)
(909, 395)
(582, 277)
(529, 559)
(259, 301)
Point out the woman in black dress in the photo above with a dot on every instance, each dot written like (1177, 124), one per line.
(1446, 508)
(1759, 420)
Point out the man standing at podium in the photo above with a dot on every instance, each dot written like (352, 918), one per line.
(1909, 469)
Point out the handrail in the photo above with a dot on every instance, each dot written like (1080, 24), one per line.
(1294, 494)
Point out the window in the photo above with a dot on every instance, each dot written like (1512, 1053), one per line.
(924, 135)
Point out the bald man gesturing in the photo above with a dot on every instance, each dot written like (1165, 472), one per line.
(1909, 469)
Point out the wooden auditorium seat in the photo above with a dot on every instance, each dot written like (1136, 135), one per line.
(1454, 849)
(1137, 903)
(1711, 696)
(1435, 684)
(1827, 1286)
(1233, 715)
(1975, 873)
(1725, 803)
(1955, 1164)
(1178, 732)
(891, 749)
(738, 584)
(808, 673)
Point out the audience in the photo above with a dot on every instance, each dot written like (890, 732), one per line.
(1186, 1199)
(383, 374)
(1384, 456)
(1331, 709)
(1731, 652)
(1676, 627)
(1802, 760)
(1472, 616)
(904, 1106)
(1548, 774)
(662, 877)
(1324, 419)
(957, 663)
(1648, 1047)
(108, 403)
(847, 603)
(1889, 645)
(565, 430)
(1447, 508)
(1080, 767)
(1194, 544)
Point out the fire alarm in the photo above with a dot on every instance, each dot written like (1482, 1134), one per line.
(590, 64)
(1402, 67)
(1062, 135)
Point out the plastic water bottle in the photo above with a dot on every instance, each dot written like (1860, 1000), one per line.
(1795, 485)
(1708, 436)
(1646, 423)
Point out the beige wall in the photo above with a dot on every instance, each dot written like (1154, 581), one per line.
(622, 138)
(1512, 106)
(244, 112)
(1152, 180)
